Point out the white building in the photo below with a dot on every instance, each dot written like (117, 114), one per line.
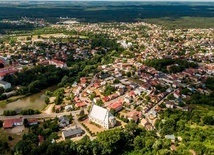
(5, 84)
(58, 63)
(102, 117)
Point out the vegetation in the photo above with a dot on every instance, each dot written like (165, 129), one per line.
(35, 79)
(197, 98)
(29, 112)
(130, 140)
(109, 90)
(210, 83)
(191, 126)
(167, 65)
(172, 15)
(9, 113)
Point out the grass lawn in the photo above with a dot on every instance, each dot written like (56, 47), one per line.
(8, 132)
(11, 99)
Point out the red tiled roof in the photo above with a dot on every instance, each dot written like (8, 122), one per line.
(132, 93)
(5, 71)
(115, 105)
(81, 104)
(106, 98)
(57, 62)
(32, 120)
(41, 139)
(9, 122)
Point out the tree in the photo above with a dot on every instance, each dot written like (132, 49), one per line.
(10, 138)
(1, 90)
(139, 142)
(47, 100)
(112, 141)
(58, 100)
(82, 112)
(113, 111)
(208, 120)
(99, 103)
(1, 123)
(26, 123)
(128, 74)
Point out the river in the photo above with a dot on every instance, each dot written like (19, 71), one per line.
(35, 101)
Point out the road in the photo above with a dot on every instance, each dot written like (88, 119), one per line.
(52, 115)
(87, 100)
(77, 123)
(153, 108)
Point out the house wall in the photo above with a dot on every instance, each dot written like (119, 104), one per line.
(17, 123)
(8, 85)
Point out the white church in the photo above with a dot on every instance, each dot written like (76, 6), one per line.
(102, 117)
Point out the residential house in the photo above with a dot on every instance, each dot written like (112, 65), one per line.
(41, 139)
(117, 106)
(134, 115)
(170, 104)
(106, 99)
(81, 104)
(83, 81)
(7, 70)
(102, 117)
(68, 108)
(58, 63)
(58, 108)
(146, 124)
(171, 137)
(63, 121)
(33, 121)
(5, 84)
(10, 123)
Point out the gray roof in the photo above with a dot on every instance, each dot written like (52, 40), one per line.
(3, 82)
(72, 132)
(172, 137)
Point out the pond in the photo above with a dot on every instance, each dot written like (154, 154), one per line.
(35, 101)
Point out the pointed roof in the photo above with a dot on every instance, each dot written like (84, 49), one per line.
(100, 114)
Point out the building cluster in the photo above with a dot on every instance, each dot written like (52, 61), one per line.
(126, 89)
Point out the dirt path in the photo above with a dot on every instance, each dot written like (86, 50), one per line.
(48, 109)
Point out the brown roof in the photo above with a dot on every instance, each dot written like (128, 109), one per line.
(9, 122)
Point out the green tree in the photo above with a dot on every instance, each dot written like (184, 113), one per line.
(26, 123)
(1, 123)
(47, 100)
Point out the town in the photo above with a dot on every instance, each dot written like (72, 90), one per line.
(147, 70)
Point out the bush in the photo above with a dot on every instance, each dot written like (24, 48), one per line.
(1, 123)
(9, 113)
(82, 117)
(10, 138)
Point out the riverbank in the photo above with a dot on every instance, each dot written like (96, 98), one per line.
(11, 99)
(18, 103)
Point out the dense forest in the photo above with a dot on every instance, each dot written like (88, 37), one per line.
(168, 65)
(113, 12)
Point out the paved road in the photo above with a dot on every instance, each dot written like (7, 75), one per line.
(86, 99)
(153, 108)
(77, 123)
(41, 115)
